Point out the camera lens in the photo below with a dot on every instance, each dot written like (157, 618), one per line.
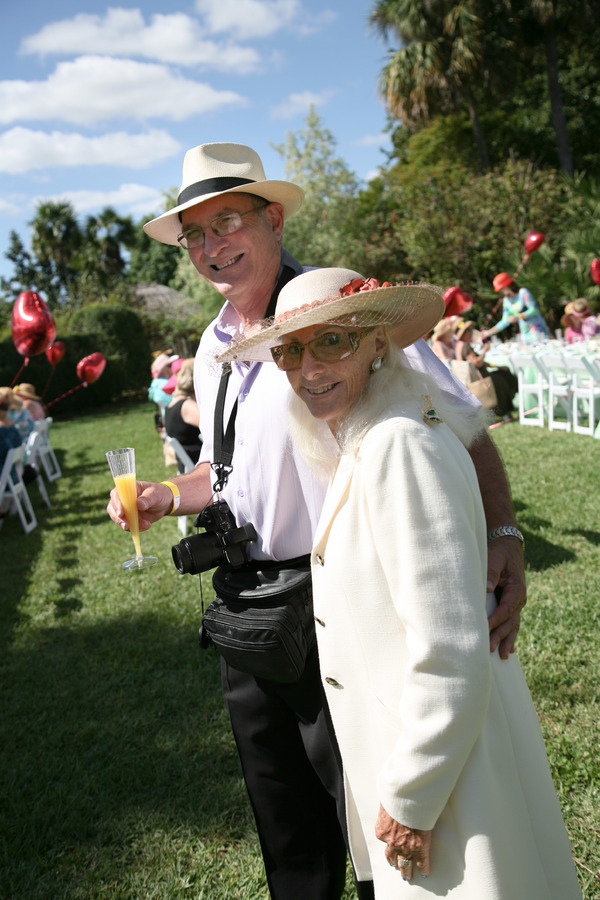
(197, 553)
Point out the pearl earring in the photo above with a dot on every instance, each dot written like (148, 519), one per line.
(376, 364)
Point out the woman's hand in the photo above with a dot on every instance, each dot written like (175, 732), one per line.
(404, 844)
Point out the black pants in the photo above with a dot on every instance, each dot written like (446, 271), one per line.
(293, 775)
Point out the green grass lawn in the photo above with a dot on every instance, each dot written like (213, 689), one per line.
(118, 773)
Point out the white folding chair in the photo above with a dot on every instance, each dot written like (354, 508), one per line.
(552, 365)
(47, 455)
(33, 458)
(188, 466)
(13, 489)
(531, 384)
(585, 386)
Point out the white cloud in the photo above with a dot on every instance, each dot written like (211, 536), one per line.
(95, 88)
(7, 207)
(372, 140)
(248, 19)
(174, 38)
(299, 104)
(136, 198)
(22, 150)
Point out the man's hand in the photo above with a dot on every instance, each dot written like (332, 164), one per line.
(506, 573)
(506, 565)
(153, 502)
(404, 844)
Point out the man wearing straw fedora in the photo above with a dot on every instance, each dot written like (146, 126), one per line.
(230, 218)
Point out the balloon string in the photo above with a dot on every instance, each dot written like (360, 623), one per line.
(66, 394)
(48, 382)
(14, 381)
(521, 264)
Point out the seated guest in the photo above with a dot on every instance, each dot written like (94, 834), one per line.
(18, 416)
(443, 341)
(161, 372)
(182, 416)
(579, 322)
(448, 789)
(9, 436)
(505, 382)
(31, 401)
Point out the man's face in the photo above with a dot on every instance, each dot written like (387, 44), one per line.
(241, 266)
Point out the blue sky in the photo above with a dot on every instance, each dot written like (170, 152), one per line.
(99, 103)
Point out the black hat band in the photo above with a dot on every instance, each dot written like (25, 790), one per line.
(211, 186)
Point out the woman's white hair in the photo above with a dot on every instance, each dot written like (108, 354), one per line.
(386, 388)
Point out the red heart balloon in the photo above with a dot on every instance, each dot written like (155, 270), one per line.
(33, 328)
(457, 301)
(90, 368)
(55, 353)
(595, 270)
(534, 240)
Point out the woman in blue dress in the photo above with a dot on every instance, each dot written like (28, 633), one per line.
(518, 306)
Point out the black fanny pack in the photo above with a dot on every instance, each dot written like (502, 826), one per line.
(261, 620)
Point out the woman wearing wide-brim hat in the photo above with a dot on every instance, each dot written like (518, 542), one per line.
(448, 788)
(443, 340)
(31, 400)
(579, 322)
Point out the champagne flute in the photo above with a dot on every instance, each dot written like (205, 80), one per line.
(122, 467)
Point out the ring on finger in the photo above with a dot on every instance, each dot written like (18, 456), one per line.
(403, 863)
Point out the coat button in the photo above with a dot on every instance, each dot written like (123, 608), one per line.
(320, 559)
(332, 681)
(319, 621)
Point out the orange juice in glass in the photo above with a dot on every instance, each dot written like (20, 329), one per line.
(122, 467)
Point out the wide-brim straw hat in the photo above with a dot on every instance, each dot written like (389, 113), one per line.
(26, 390)
(342, 297)
(462, 326)
(210, 170)
(162, 360)
(578, 309)
(444, 326)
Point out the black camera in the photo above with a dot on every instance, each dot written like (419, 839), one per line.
(223, 542)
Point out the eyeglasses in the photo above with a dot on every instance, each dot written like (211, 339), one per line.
(329, 347)
(222, 225)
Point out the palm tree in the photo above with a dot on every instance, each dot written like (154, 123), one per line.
(540, 22)
(433, 72)
(55, 241)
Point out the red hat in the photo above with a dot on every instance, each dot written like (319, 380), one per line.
(502, 280)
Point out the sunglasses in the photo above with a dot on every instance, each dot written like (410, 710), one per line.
(328, 348)
(221, 226)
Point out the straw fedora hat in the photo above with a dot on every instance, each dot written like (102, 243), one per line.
(27, 391)
(210, 170)
(342, 297)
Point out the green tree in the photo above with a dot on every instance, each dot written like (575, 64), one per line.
(443, 55)
(56, 239)
(322, 233)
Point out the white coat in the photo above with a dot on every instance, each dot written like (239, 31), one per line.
(430, 724)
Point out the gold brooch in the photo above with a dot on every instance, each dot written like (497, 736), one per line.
(430, 417)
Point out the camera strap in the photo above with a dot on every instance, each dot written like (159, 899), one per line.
(224, 439)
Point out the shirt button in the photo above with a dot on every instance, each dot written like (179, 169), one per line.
(240, 492)
(320, 559)
(319, 621)
(332, 682)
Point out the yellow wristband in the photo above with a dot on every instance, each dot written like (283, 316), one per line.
(176, 496)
